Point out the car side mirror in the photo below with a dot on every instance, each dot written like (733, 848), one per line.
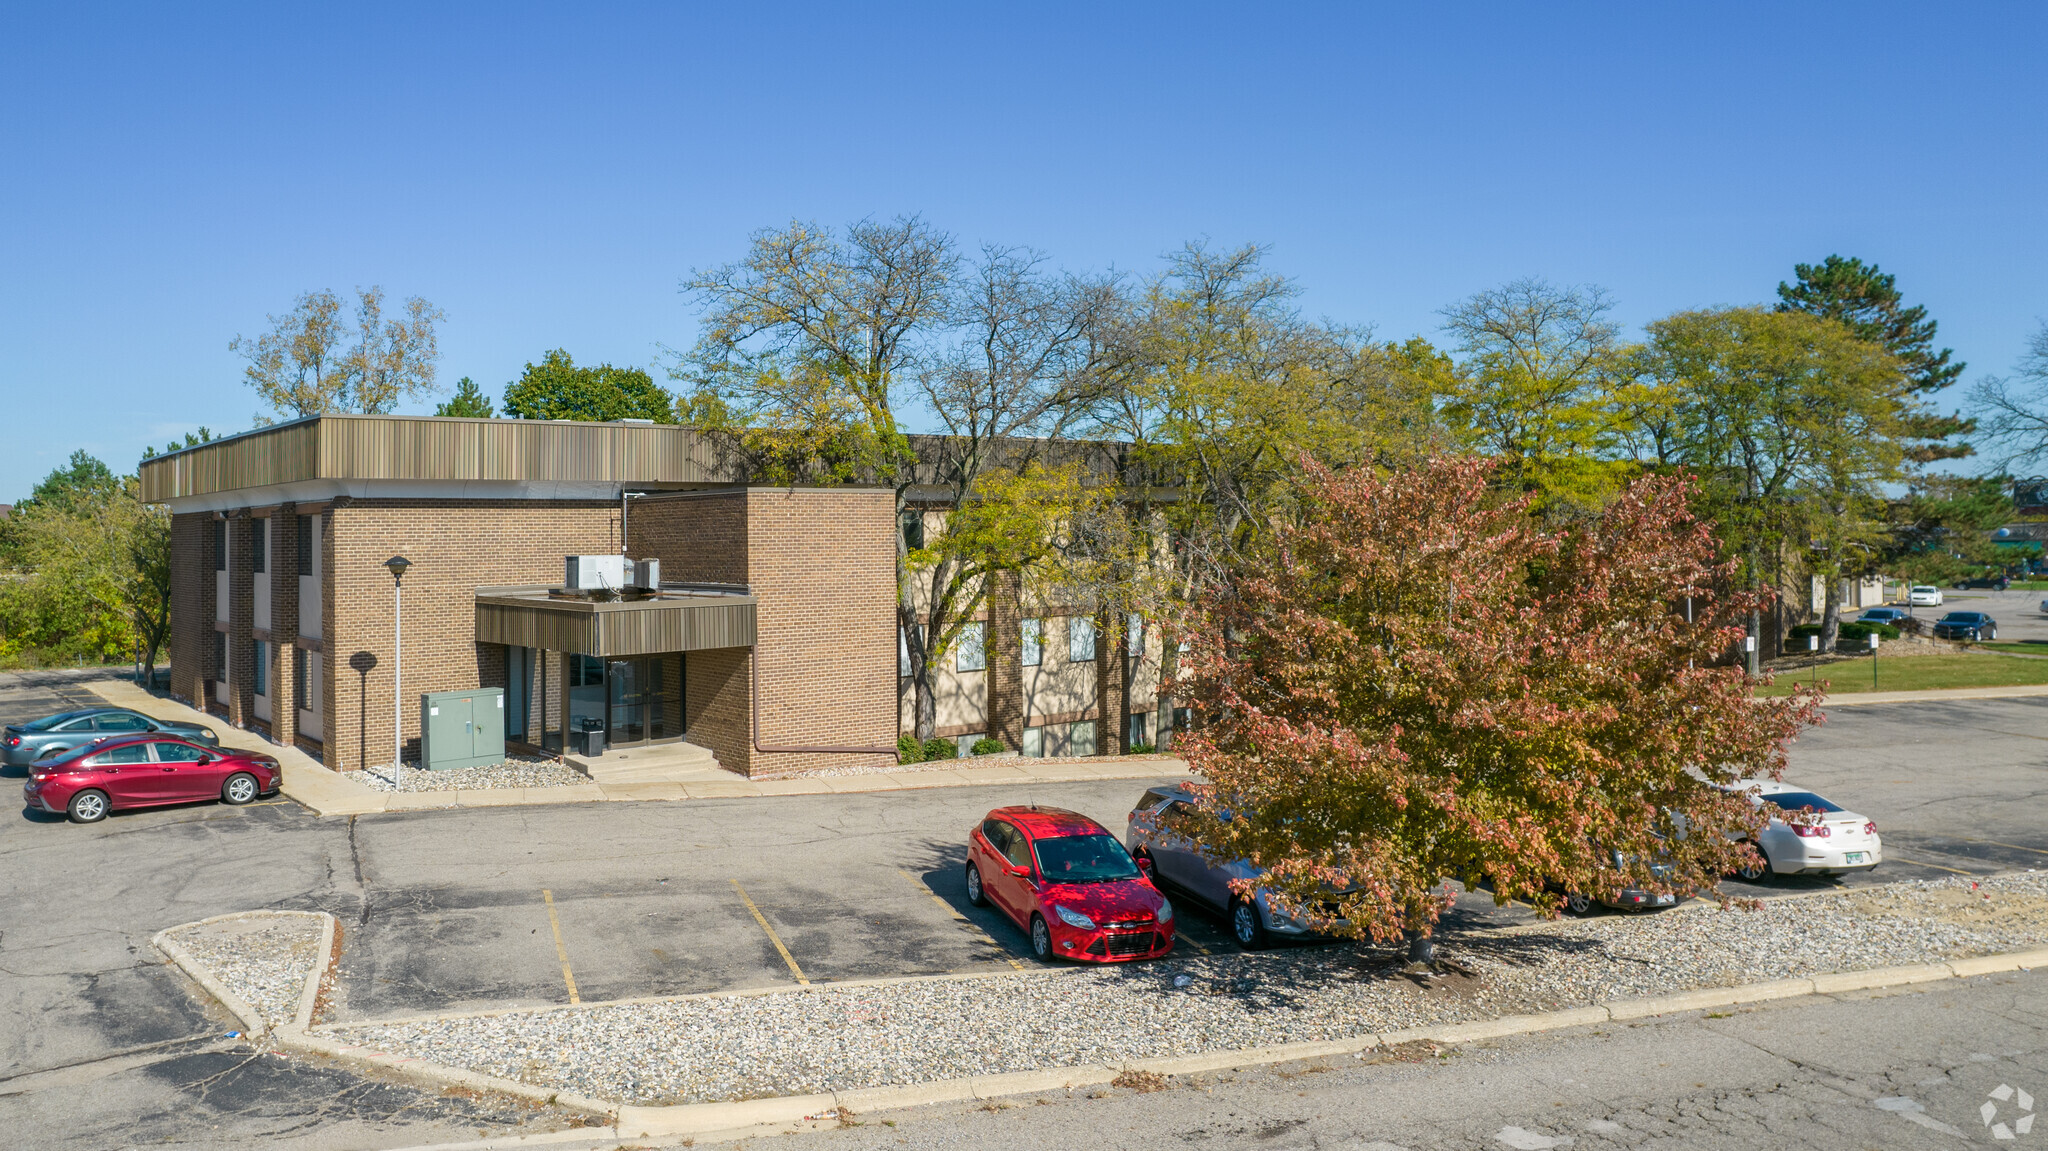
(1018, 872)
(1145, 865)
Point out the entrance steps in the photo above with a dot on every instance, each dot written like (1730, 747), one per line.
(680, 762)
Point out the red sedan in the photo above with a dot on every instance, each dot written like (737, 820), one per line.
(146, 771)
(1069, 884)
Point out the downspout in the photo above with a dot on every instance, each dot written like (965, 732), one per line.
(754, 659)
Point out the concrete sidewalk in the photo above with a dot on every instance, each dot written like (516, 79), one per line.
(331, 793)
(1859, 698)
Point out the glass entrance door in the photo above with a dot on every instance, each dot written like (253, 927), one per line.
(645, 697)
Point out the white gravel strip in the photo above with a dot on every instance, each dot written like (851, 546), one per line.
(993, 759)
(826, 1038)
(519, 771)
(264, 959)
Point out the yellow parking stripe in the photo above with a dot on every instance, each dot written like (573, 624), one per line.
(772, 937)
(949, 909)
(561, 952)
(2014, 846)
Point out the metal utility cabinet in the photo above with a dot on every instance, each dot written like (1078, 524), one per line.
(462, 728)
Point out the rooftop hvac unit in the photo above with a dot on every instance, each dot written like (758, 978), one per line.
(646, 574)
(587, 573)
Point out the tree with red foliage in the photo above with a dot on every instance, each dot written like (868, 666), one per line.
(1419, 680)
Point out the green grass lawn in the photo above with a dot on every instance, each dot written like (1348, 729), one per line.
(1920, 672)
(2039, 648)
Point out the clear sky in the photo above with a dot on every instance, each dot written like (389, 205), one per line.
(548, 174)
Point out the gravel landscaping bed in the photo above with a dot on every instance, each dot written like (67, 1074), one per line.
(264, 958)
(826, 1038)
(518, 771)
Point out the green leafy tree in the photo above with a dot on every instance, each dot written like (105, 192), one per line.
(92, 566)
(556, 389)
(1869, 303)
(192, 440)
(1418, 680)
(469, 401)
(1793, 425)
(1942, 531)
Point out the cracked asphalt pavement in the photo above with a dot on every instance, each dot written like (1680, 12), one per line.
(102, 1045)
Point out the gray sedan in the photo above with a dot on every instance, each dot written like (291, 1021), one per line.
(24, 743)
(1173, 861)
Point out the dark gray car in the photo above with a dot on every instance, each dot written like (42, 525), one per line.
(1173, 861)
(1970, 625)
(24, 743)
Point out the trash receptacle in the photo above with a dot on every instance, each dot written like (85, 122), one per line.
(593, 737)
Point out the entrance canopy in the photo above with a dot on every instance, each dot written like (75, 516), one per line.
(692, 618)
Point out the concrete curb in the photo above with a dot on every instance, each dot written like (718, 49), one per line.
(788, 1114)
(252, 1023)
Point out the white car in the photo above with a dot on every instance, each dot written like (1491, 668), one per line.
(1839, 841)
(1924, 595)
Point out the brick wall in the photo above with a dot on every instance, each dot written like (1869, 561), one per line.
(822, 562)
(283, 564)
(455, 546)
(241, 671)
(697, 538)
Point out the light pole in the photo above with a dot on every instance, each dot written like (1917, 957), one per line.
(1873, 661)
(397, 565)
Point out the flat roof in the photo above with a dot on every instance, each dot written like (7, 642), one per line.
(676, 619)
(341, 449)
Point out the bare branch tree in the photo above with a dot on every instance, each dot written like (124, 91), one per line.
(2016, 410)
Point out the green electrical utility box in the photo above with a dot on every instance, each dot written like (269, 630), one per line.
(462, 728)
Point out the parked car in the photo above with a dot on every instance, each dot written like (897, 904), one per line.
(1924, 595)
(1628, 898)
(146, 771)
(1830, 841)
(25, 743)
(1994, 582)
(1888, 616)
(1174, 863)
(1970, 625)
(1069, 884)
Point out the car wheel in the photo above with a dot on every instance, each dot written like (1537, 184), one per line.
(1041, 938)
(1755, 872)
(1245, 926)
(1580, 904)
(975, 894)
(87, 807)
(240, 788)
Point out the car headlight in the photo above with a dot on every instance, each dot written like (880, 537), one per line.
(1165, 912)
(1073, 918)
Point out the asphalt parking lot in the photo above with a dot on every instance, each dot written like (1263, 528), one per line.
(473, 908)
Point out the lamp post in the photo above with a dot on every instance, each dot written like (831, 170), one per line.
(1873, 661)
(397, 566)
(1813, 658)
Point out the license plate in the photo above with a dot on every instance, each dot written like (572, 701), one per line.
(1854, 857)
(1667, 899)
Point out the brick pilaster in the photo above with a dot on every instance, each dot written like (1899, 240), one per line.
(284, 566)
(191, 647)
(241, 668)
(1005, 679)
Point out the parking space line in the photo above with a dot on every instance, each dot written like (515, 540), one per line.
(772, 937)
(561, 952)
(2014, 846)
(1935, 866)
(972, 926)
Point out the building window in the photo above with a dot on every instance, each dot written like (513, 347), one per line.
(913, 530)
(586, 671)
(261, 680)
(1080, 639)
(220, 655)
(1134, 635)
(1032, 634)
(903, 650)
(970, 649)
(1034, 742)
(259, 535)
(301, 690)
(220, 545)
(1081, 738)
(306, 545)
(966, 743)
(1140, 721)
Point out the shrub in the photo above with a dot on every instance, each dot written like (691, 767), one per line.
(908, 750)
(1853, 635)
(1142, 749)
(938, 748)
(987, 746)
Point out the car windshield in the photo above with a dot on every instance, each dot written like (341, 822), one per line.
(1961, 617)
(1799, 801)
(50, 721)
(1096, 858)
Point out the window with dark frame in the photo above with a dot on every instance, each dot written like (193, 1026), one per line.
(220, 545)
(306, 556)
(259, 540)
(301, 688)
(220, 655)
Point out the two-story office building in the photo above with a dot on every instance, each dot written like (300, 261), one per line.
(772, 638)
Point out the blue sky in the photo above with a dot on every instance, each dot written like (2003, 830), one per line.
(547, 175)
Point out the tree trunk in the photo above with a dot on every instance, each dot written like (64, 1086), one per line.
(1169, 667)
(1421, 946)
(1831, 615)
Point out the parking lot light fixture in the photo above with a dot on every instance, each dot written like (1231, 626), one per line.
(1873, 661)
(397, 566)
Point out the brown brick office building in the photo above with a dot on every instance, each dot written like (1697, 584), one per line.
(772, 640)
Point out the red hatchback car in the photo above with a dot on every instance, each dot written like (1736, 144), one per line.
(1069, 884)
(146, 771)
